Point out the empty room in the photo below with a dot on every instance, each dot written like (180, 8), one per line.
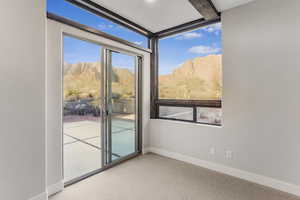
(150, 100)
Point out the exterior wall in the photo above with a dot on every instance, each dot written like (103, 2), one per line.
(22, 87)
(260, 96)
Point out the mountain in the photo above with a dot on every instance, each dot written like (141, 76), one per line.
(83, 80)
(199, 78)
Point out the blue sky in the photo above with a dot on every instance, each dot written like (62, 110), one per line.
(174, 50)
(67, 10)
(76, 50)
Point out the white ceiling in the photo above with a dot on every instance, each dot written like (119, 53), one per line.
(223, 5)
(154, 15)
(158, 15)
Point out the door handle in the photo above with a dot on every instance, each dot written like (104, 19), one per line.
(105, 113)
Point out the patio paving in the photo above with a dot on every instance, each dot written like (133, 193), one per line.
(121, 138)
(68, 140)
(82, 130)
(82, 145)
(80, 159)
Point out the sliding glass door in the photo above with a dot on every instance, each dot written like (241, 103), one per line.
(101, 114)
(122, 105)
(81, 108)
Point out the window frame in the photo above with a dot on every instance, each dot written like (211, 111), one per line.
(189, 104)
(153, 39)
(99, 11)
(88, 29)
(156, 102)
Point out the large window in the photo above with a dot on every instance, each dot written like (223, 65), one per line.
(190, 76)
(74, 13)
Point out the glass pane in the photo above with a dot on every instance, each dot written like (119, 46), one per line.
(172, 112)
(69, 11)
(81, 120)
(190, 65)
(209, 115)
(123, 104)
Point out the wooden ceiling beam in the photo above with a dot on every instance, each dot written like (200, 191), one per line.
(206, 8)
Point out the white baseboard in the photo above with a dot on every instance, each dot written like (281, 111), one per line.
(146, 150)
(255, 178)
(42, 196)
(55, 188)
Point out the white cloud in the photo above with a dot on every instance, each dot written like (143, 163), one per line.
(213, 28)
(179, 65)
(204, 50)
(105, 26)
(122, 28)
(138, 43)
(188, 36)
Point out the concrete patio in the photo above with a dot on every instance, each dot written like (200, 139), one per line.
(82, 145)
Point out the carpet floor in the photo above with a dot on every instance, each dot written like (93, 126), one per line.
(153, 177)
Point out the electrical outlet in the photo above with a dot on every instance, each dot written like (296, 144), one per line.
(228, 154)
(212, 151)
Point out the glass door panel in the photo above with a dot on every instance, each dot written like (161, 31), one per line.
(100, 124)
(121, 105)
(81, 108)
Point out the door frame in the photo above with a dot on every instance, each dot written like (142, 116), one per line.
(84, 36)
(106, 118)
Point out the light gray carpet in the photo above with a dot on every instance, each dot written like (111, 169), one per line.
(152, 177)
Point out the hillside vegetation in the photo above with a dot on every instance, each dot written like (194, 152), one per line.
(199, 78)
(83, 80)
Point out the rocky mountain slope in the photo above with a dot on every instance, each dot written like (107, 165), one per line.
(83, 80)
(199, 78)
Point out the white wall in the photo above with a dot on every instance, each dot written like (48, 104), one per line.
(22, 88)
(261, 96)
(54, 96)
(53, 108)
